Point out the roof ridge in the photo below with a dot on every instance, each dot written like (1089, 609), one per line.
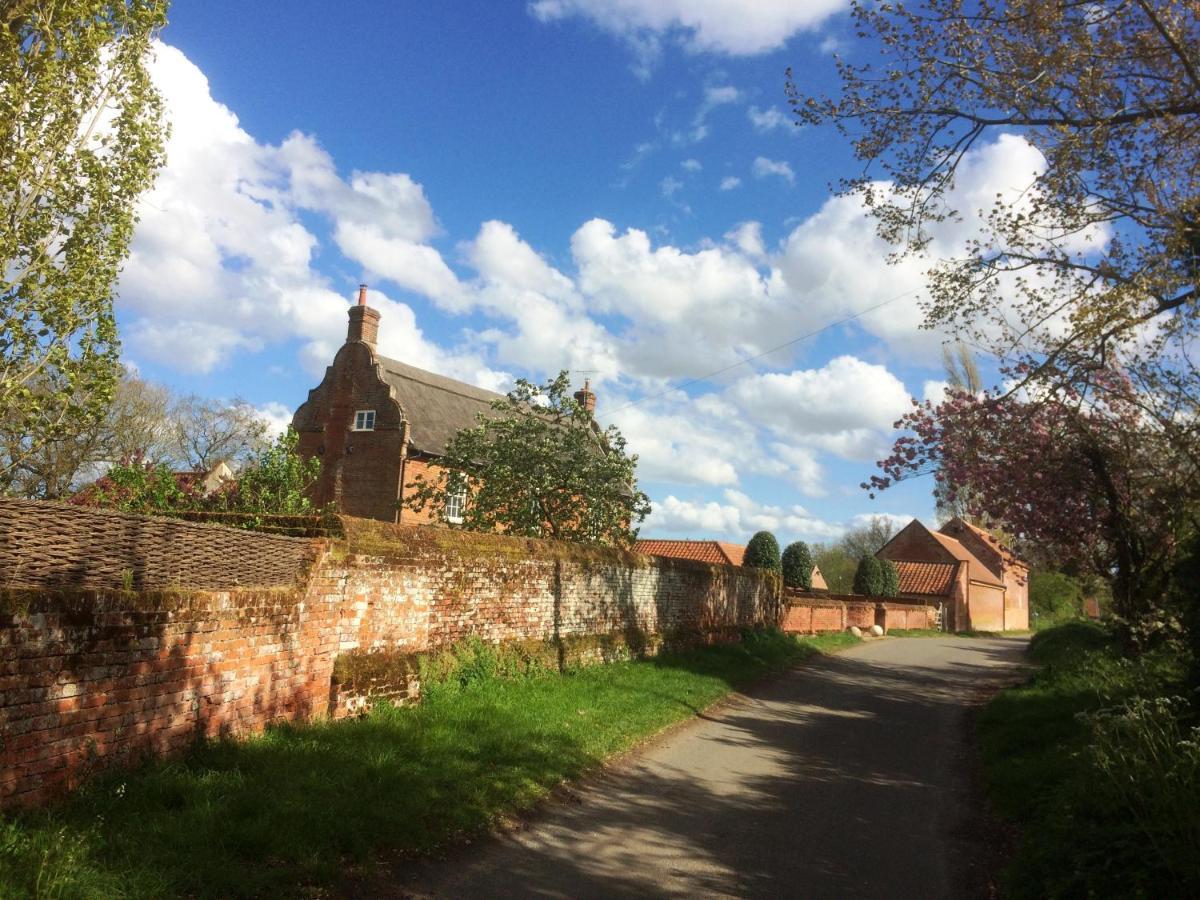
(437, 380)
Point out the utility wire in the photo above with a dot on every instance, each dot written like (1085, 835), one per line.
(750, 359)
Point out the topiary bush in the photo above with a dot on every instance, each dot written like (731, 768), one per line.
(762, 552)
(797, 566)
(891, 578)
(868, 580)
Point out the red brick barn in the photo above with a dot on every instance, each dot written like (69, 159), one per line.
(980, 583)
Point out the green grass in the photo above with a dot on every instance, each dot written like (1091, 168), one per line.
(1098, 770)
(288, 812)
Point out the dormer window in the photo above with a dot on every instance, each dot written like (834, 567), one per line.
(364, 420)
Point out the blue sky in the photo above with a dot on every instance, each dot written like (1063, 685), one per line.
(607, 186)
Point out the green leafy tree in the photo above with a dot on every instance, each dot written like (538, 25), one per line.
(81, 137)
(837, 566)
(1095, 255)
(539, 466)
(869, 577)
(797, 566)
(1054, 598)
(891, 578)
(762, 552)
(276, 480)
(868, 538)
(139, 485)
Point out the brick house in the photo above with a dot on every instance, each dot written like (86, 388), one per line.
(980, 583)
(377, 423)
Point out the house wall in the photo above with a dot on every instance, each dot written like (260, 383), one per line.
(93, 675)
(986, 607)
(360, 470)
(1016, 598)
(915, 545)
(415, 467)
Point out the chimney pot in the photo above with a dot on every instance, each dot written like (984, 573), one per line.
(364, 321)
(586, 398)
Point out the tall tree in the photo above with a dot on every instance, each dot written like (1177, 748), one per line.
(204, 432)
(962, 375)
(762, 552)
(81, 137)
(133, 426)
(866, 539)
(1093, 260)
(1090, 480)
(539, 466)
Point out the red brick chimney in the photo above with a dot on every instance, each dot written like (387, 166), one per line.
(364, 321)
(586, 398)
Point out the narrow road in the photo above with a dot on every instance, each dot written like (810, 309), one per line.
(844, 778)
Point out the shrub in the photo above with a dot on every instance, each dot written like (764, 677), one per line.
(138, 486)
(868, 579)
(891, 578)
(762, 552)
(1054, 598)
(797, 566)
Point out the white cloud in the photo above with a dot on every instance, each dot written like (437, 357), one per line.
(721, 26)
(729, 182)
(670, 186)
(736, 518)
(768, 119)
(276, 416)
(766, 168)
(691, 165)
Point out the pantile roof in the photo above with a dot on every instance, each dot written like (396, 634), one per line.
(926, 577)
(715, 552)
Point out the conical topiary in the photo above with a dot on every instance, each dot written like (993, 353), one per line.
(762, 552)
(797, 566)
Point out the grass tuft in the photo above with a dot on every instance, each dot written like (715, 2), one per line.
(287, 813)
(1098, 761)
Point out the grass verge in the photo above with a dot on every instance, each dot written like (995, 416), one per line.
(1097, 761)
(288, 812)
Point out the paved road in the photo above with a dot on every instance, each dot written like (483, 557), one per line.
(845, 778)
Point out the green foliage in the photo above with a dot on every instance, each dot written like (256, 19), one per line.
(762, 552)
(869, 577)
(316, 800)
(837, 566)
(539, 466)
(142, 487)
(81, 137)
(1096, 760)
(274, 483)
(276, 480)
(890, 586)
(1054, 598)
(797, 566)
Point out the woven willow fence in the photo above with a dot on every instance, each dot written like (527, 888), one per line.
(57, 545)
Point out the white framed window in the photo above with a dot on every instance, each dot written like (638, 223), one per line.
(456, 503)
(364, 420)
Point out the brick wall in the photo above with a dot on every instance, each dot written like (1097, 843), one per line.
(92, 678)
(810, 613)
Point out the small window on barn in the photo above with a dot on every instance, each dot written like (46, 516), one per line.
(456, 503)
(364, 420)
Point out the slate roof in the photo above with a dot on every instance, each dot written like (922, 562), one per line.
(926, 577)
(436, 407)
(718, 553)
